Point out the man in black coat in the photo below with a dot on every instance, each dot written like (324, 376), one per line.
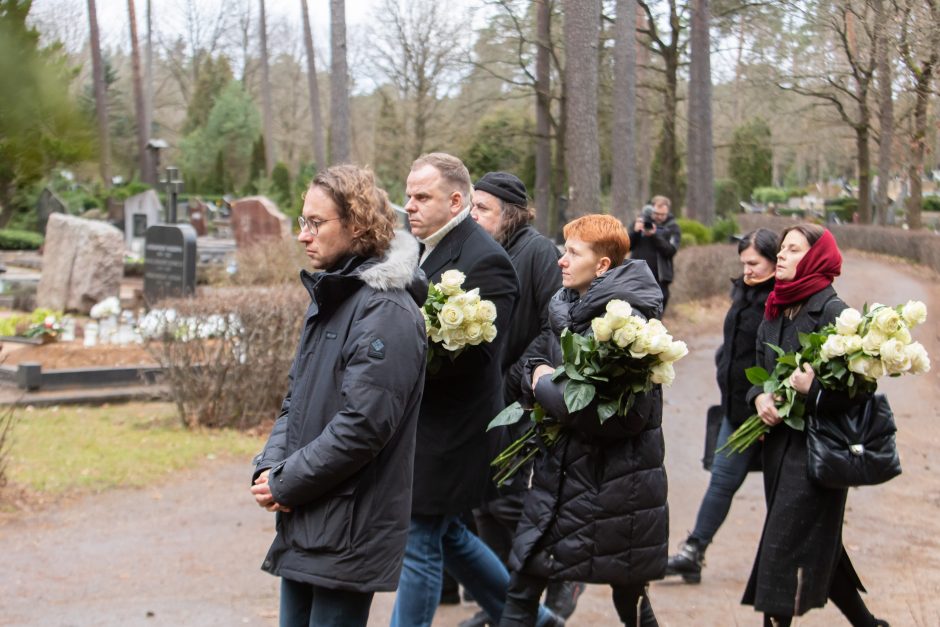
(655, 238)
(337, 467)
(452, 457)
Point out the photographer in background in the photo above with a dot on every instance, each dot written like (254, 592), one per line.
(655, 238)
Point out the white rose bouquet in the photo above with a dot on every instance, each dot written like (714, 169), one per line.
(850, 354)
(622, 356)
(455, 318)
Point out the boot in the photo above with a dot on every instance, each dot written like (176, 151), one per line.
(562, 597)
(688, 562)
(480, 619)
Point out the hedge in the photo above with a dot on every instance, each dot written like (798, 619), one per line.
(12, 239)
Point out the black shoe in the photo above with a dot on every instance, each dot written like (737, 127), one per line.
(480, 619)
(562, 597)
(688, 562)
(880, 622)
(554, 620)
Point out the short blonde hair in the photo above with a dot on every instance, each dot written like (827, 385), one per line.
(363, 207)
(452, 170)
(661, 200)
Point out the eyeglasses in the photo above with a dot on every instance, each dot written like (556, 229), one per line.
(311, 226)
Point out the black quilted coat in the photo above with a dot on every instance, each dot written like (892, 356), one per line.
(597, 508)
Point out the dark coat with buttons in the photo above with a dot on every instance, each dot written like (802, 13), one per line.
(597, 509)
(801, 544)
(341, 452)
(452, 457)
(738, 349)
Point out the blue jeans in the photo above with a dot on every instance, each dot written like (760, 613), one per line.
(307, 605)
(728, 473)
(436, 543)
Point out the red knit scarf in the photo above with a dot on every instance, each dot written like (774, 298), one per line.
(815, 271)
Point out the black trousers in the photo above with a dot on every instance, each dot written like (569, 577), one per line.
(846, 597)
(522, 603)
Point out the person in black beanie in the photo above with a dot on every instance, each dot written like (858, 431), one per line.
(501, 206)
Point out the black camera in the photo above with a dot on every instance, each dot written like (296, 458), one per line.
(648, 218)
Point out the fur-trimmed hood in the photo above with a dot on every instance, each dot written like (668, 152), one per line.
(396, 269)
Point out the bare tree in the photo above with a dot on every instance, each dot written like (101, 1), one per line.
(340, 134)
(623, 184)
(148, 91)
(920, 50)
(202, 35)
(582, 38)
(543, 115)
(143, 131)
(418, 51)
(700, 193)
(101, 97)
(269, 157)
(886, 109)
(319, 149)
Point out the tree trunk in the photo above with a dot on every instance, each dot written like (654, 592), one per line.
(644, 136)
(582, 37)
(864, 173)
(319, 148)
(139, 107)
(700, 195)
(151, 175)
(885, 114)
(623, 177)
(101, 97)
(543, 103)
(919, 141)
(268, 115)
(340, 141)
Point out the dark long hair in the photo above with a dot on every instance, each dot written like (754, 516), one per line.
(765, 242)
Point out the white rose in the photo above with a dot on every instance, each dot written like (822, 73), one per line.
(920, 361)
(489, 332)
(453, 339)
(602, 330)
(853, 343)
(655, 327)
(903, 336)
(895, 357)
(618, 311)
(450, 316)
(914, 312)
(451, 282)
(472, 297)
(869, 367)
(659, 342)
(663, 373)
(625, 335)
(848, 321)
(474, 332)
(676, 351)
(486, 310)
(435, 334)
(641, 344)
(887, 320)
(834, 346)
(471, 312)
(872, 341)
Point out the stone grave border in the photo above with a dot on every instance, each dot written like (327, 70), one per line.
(31, 377)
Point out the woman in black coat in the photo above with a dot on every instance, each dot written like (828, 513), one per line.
(597, 509)
(801, 560)
(758, 253)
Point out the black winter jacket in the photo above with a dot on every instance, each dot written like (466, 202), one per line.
(452, 454)
(341, 452)
(658, 249)
(803, 528)
(738, 352)
(597, 509)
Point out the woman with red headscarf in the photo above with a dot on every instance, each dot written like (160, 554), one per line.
(801, 561)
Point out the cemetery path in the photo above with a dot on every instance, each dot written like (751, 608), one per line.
(187, 552)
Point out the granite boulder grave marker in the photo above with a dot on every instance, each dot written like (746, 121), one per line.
(169, 262)
(82, 263)
(255, 219)
(48, 204)
(141, 211)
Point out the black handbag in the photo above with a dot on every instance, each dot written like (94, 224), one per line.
(853, 448)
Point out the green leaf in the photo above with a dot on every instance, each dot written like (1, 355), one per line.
(509, 416)
(795, 423)
(788, 359)
(607, 409)
(578, 395)
(538, 413)
(573, 373)
(780, 352)
(756, 375)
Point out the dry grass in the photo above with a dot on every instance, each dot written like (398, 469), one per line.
(702, 272)
(266, 263)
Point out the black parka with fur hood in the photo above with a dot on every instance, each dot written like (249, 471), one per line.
(341, 454)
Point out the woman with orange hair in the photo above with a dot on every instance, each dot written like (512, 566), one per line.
(597, 510)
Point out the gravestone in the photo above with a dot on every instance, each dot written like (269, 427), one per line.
(82, 263)
(255, 219)
(198, 216)
(140, 213)
(169, 262)
(48, 204)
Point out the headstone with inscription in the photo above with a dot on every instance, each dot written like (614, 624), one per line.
(169, 262)
(140, 213)
(48, 204)
(255, 219)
